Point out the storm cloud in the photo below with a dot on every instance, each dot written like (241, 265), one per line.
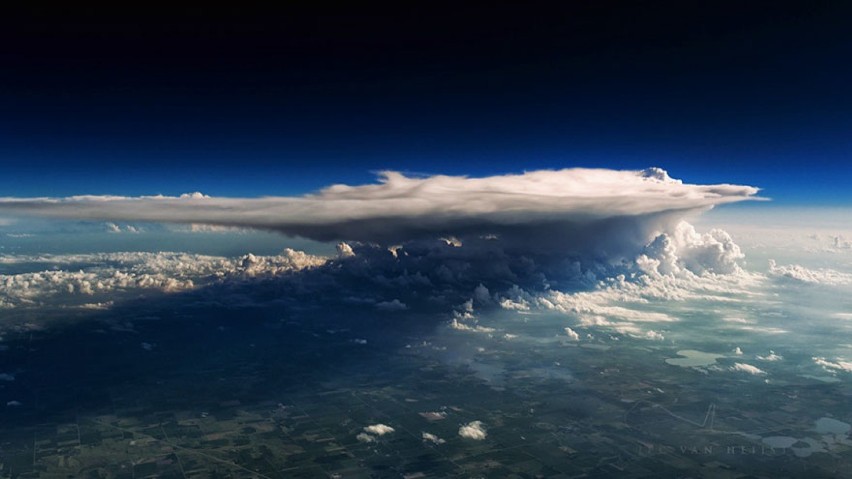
(583, 211)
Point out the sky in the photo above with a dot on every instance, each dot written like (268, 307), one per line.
(282, 102)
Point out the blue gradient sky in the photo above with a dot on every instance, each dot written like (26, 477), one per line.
(282, 102)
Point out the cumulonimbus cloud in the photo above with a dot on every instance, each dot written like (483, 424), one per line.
(571, 209)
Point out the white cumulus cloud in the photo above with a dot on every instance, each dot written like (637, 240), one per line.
(802, 274)
(76, 279)
(379, 429)
(747, 368)
(429, 437)
(833, 366)
(572, 334)
(770, 357)
(473, 430)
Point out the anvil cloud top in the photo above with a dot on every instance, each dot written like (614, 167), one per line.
(558, 205)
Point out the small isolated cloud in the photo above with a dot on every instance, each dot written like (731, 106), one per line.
(572, 335)
(344, 250)
(654, 335)
(117, 229)
(197, 195)
(379, 429)
(770, 357)
(459, 325)
(427, 437)
(747, 368)
(366, 438)
(473, 430)
(737, 351)
(394, 305)
(433, 415)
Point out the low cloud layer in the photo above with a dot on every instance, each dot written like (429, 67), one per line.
(93, 280)
(587, 211)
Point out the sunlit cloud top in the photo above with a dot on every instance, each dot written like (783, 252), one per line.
(401, 208)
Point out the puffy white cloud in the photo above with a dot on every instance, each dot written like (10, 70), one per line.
(684, 266)
(465, 320)
(833, 366)
(473, 430)
(686, 251)
(364, 437)
(197, 195)
(655, 335)
(461, 326)
(77, 279)
(117, 229)
(428, 437)
(344, 250)
(805, 275)
(433, 415)
(770, 357)
(379, 429)
(593, 211)
(572, 335)
(747, 368)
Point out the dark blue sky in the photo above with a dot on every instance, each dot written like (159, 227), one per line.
(285, 101)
